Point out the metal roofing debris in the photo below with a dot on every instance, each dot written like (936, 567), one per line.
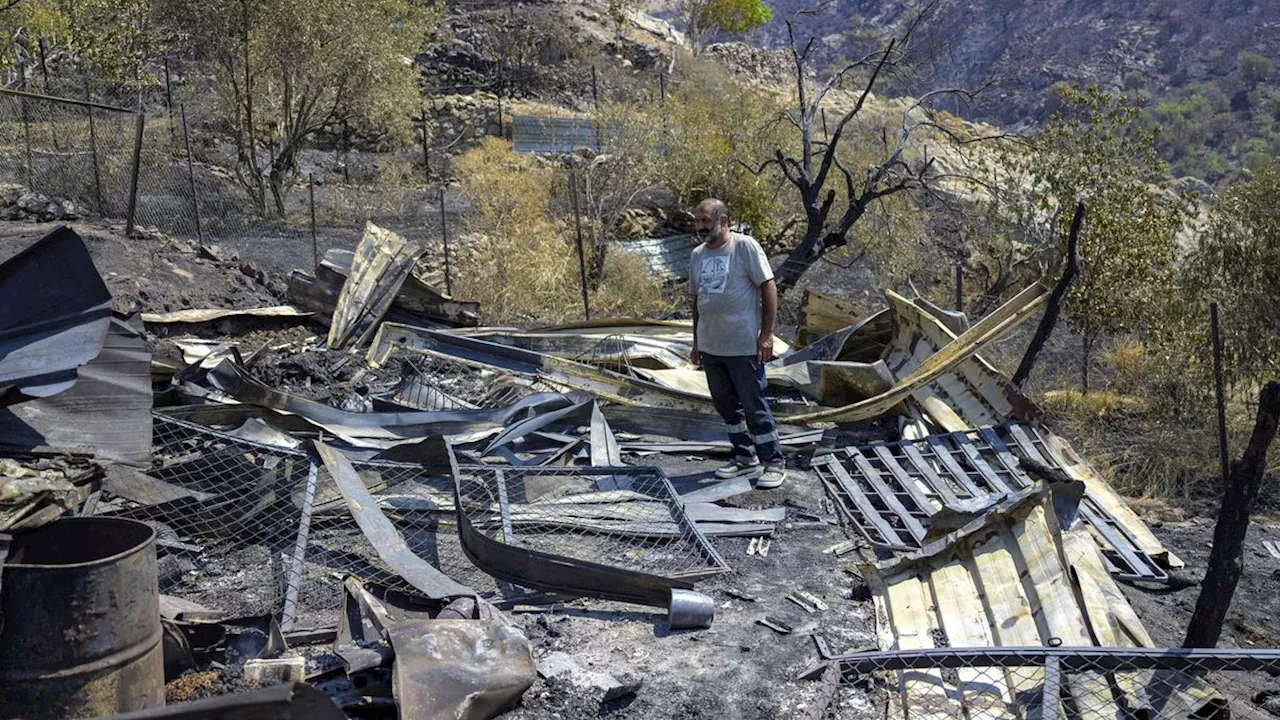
(532, 134)
(914, 372)
(527, 527)
(278, 702)
(1018, 580)
(382, 262)
(54, 313)
(204, 315)
(383, 535)
(902, 495)
(459, 669)
(667, 258)
(107, 412)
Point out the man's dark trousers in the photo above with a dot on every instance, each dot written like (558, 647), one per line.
(737, 389)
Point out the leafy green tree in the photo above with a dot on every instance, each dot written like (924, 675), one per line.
(1236, 263)
(1254, 68)
(704, 18)
(1095, 151)
(287, 68)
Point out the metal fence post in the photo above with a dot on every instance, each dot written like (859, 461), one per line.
(168, 103)
(662, 86)
(1052, 688)
(26, 136)
(959, 287)
(582, 263)
(311, 204)
(191, 173)
(426, 156)
(132, 214)
(1220, 392)
(444, 231)
(93, 153)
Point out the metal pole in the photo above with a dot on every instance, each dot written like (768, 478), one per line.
(426, 156)
(1219, 389)
(44, 72)
(825, 135)
(168, 101)
(582, 262)
(26, 136)
(311, 203)
(131, 216)
(191, 175)
(959, 287)
(444, 232)
(93, 153)
(662, 86)
(346, 152)
(595, 89)
(289, 614)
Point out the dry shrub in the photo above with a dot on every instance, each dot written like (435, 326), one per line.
(523, 266)
(1127, 360)
(628, 289)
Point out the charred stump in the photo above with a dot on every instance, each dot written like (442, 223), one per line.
(1226, 559)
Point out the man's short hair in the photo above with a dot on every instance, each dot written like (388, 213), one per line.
(717, 207)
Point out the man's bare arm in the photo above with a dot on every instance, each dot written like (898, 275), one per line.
(694, 355)
(768, 314)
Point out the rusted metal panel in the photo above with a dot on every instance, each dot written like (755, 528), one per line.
(383, 260)
(667, 258)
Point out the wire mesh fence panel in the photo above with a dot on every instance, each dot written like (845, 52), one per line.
(431, 382)
(1088, 683)
(625, 518)
(247, 527)
(76, 151)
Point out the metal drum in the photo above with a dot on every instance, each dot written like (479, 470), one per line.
(81, 611)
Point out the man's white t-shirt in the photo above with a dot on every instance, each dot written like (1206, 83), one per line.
(726, 280)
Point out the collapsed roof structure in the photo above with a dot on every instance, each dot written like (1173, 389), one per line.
(479, 468)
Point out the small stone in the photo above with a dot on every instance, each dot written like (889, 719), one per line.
(274, 671)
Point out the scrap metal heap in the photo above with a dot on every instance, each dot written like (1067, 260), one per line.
(464, 469)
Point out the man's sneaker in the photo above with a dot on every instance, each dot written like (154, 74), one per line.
(738, 468)
(772, 477)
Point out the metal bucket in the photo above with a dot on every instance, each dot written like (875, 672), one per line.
(81, 612)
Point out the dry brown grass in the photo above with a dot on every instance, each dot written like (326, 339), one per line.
(523, 264)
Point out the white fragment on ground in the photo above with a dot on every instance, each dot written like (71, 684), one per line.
(563, 667)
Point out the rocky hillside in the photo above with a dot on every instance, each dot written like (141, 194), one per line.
(1025, 46)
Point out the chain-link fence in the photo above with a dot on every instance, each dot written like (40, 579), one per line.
(1066, 682)
(250, 521)
(159, 163)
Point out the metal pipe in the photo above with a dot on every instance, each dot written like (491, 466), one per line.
(444, 231)
(62, 100)
(690, 610)
(93, 153)
(311, 205)
(131, 216)
(191, 173)
(1070, 658)
(959, 287)
(582, 262)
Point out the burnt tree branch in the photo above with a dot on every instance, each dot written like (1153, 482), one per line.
(1054, 307)
(1226, 559)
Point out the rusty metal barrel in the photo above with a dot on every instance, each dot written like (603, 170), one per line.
(81, 611)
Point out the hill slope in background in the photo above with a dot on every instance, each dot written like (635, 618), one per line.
(1206, 67)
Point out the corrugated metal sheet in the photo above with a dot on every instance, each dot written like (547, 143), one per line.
(531, 134)
(667, 258)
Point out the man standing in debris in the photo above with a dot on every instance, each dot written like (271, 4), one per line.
(735, 301)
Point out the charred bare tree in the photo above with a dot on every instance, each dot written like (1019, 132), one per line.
(1226, 559)
(828, 217)
(1054, 307)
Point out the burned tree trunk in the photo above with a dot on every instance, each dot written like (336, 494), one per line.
(1054, 306)
(1226, 560)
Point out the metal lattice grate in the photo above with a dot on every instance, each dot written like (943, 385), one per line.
(431, 382)
(251, 528)
(626, 518)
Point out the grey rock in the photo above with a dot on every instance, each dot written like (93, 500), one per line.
(562, 667)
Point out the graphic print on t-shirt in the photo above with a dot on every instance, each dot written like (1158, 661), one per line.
(713, 274)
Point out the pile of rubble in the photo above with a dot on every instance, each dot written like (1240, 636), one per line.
(307, 526)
